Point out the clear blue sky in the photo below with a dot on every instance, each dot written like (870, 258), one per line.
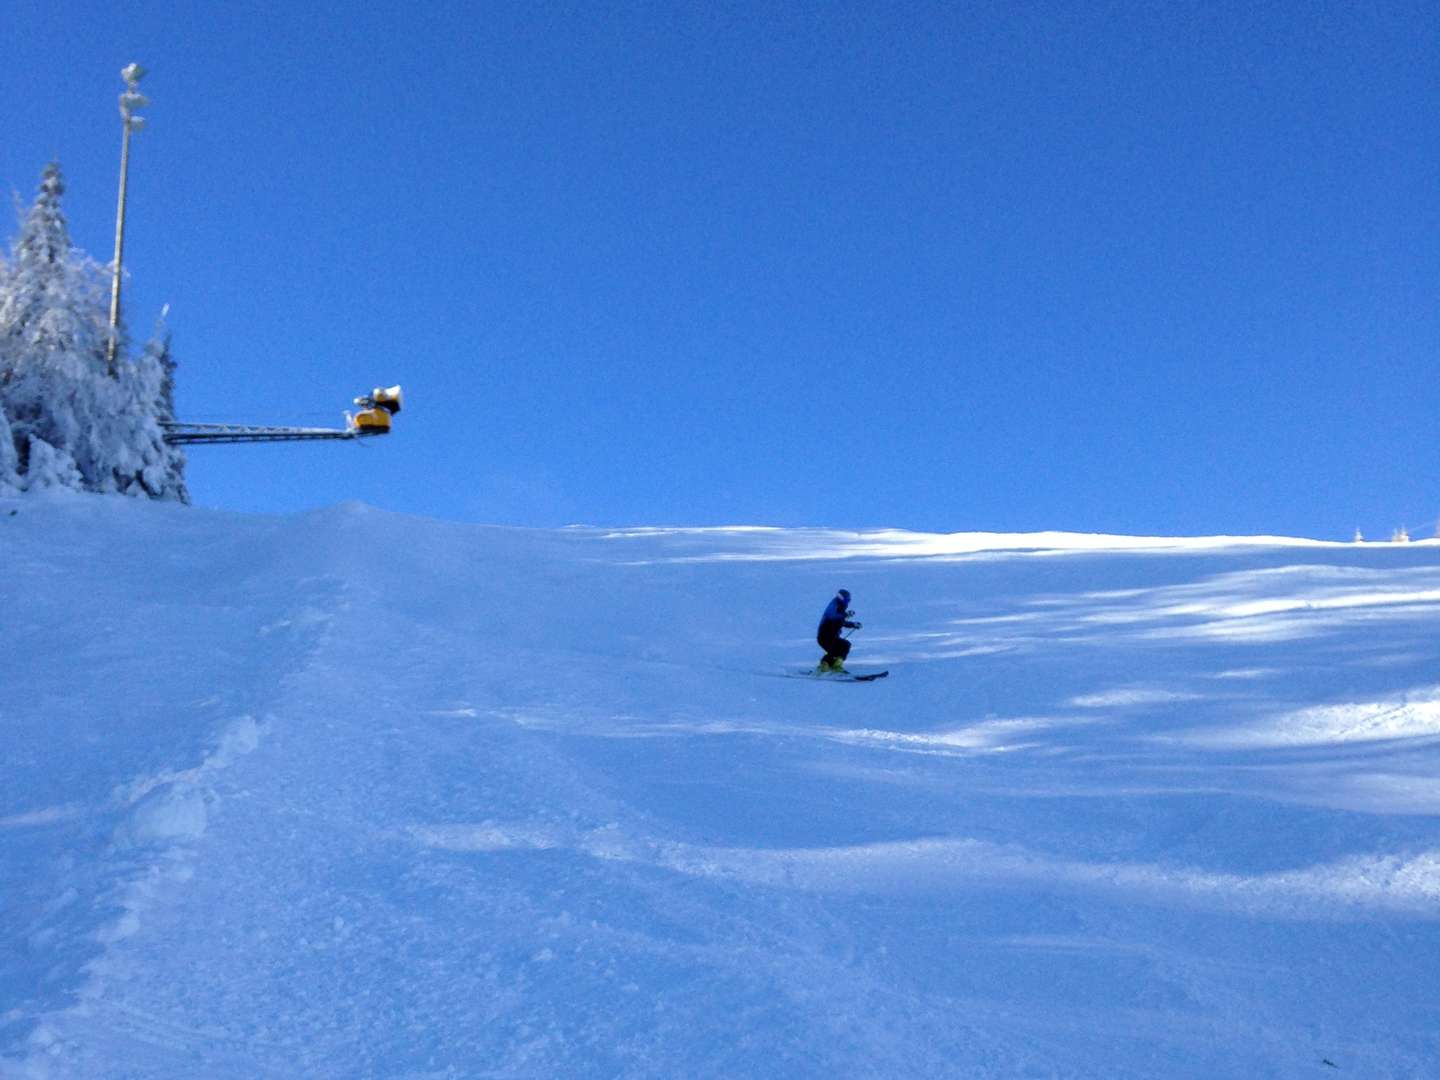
(1150, 268)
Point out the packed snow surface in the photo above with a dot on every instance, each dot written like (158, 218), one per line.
(354, 794)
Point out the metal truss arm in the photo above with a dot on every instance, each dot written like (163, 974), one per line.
(178, 434)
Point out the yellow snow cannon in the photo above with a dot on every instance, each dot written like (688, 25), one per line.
(371, 422)
(378, 406)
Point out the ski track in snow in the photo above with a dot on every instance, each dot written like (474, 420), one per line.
(353, 794)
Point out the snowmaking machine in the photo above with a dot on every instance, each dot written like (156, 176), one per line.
(377, 408)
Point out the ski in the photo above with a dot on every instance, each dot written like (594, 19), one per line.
(844, 676)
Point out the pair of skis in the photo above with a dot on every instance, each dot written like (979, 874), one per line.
(840, 676)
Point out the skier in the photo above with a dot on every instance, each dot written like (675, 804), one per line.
(835, 619)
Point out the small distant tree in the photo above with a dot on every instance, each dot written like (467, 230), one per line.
(1359, 537)
(1400, 536)
(68, 421)
(149, 388)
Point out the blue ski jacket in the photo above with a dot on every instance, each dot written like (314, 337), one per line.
(834, 618)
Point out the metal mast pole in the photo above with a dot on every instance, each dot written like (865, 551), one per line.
(130, 100)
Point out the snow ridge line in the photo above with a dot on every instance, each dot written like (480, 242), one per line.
(163, 817)
(1404, 884)
(150, 829)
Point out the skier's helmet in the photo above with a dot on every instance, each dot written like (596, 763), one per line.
(844, 594)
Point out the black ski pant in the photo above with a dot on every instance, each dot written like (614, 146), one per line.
(835, 646)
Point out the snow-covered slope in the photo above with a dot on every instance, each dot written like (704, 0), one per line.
(352, 794)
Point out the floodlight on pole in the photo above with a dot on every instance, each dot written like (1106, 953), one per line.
(130, 100)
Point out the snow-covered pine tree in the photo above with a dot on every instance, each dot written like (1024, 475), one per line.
(71, 424)
(150, 393)
(9, 463)
(50, 343)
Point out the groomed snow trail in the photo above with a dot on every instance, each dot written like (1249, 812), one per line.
(354, 794)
